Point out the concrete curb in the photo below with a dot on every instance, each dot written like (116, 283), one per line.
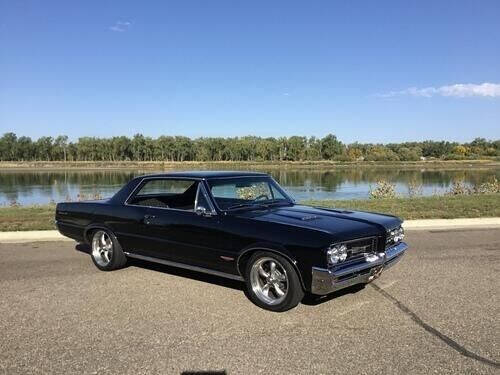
(433, 224)
(32, 236)
(410, 225)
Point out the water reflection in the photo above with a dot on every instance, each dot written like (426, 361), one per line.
(45, 186)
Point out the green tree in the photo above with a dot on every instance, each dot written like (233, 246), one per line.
(331, 147)
(43, 148)
(8, 147)
(60, 147)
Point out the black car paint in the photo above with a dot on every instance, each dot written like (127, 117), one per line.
(223, 241)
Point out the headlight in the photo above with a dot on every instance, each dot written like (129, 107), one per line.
(336, 253)
(396, 235)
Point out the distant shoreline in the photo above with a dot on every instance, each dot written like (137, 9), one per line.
(168, 165)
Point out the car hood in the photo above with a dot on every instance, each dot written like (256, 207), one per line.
(341, 223)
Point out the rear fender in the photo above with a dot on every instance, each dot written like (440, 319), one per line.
(92, 227)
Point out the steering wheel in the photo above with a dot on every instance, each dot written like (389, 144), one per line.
(265, 196)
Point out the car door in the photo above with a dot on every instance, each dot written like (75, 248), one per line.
(186, 230)
(154, 209)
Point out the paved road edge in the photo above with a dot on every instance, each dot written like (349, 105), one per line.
(410, 225)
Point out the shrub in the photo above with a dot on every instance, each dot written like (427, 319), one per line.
(414, 189)
(459, 188)
(384, 189)
(490, 187)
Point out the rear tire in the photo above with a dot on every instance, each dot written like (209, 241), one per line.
(106, 252)
(272, 282)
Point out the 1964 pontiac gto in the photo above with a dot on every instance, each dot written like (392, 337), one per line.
(240, 225)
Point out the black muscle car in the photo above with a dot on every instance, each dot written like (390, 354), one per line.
(240, 225)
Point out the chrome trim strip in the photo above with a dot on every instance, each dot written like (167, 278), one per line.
(185, 266)
(357, 239)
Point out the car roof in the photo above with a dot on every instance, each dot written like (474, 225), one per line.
(207, 174)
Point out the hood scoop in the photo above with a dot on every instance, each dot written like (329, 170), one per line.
(309, 218)
(336, 210)
(298, 215)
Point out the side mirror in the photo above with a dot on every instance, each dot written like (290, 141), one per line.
(202, 211)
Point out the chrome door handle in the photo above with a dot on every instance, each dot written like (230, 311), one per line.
(148, 219)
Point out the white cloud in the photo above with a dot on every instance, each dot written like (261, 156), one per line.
(459, 90)
(120, 26)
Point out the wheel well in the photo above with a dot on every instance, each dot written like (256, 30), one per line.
(87, 235)
(243, 260)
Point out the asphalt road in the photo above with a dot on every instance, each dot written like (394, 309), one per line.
(437, 311)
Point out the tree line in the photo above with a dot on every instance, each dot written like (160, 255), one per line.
(248, 148)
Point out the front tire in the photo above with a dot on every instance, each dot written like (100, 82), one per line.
(107, 254)
(272, 282)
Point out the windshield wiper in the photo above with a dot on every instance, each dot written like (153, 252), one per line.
(255, 204)
(241, 205)
(278, 201)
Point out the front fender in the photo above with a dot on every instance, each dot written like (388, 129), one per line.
(245, 253)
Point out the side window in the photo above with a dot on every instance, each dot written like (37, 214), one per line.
(167, 193)
(276, 193)
(169, 186)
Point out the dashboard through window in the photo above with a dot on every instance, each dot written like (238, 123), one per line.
(229, 192)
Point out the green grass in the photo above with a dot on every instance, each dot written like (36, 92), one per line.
(435, 207)
(27, 218)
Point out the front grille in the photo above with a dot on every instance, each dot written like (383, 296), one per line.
(360, 247)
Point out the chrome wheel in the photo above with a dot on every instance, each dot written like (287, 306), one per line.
(269, 280)
(102, 248)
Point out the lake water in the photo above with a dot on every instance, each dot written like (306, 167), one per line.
(42, 187)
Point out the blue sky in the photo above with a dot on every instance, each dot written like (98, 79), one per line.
(372, 71)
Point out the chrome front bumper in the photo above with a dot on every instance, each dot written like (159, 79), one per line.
(328, 280)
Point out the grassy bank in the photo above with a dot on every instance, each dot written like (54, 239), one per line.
(27, 218)
(264, 165)
(435, 207)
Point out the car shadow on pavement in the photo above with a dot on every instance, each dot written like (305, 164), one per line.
(308, 300)
(313, 300)
(198, 276)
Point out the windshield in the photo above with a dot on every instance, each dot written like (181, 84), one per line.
(231, 193)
